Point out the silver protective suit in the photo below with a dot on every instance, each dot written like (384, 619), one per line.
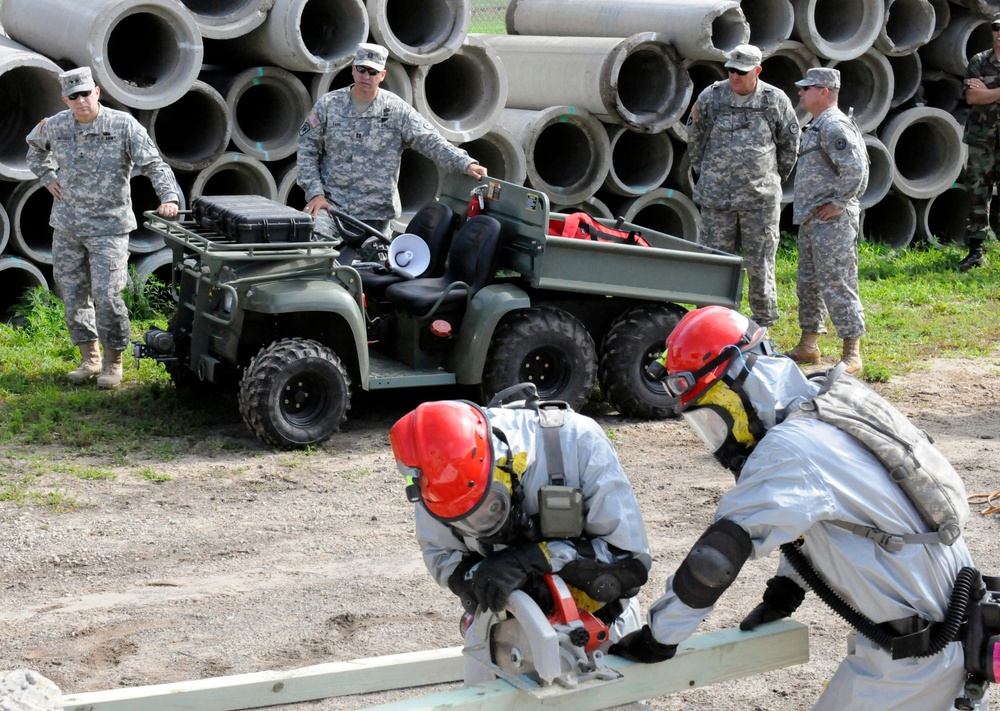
(589, 461)
(801, 476)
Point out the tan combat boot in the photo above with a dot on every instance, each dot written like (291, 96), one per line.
(111, 370)
(807, 351)
(90, 363)
(852, 355)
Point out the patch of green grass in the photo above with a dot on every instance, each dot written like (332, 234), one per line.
(150, 474)
(86, 472)
(356, 474)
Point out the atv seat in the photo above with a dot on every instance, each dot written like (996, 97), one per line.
(472, 263)
(434, 223)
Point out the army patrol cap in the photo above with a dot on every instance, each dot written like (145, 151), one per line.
(76, 80)
(371, 55)
(821, 76)
(744, 57)
(995, 22)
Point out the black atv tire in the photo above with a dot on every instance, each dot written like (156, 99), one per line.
(295, 393)
(545, 346)
(634, 341)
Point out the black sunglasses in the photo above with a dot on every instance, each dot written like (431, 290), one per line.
(738, 72)
(367, 70)
(77, 95)
(995, 26)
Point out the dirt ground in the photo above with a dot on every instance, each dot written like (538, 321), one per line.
(251, 560)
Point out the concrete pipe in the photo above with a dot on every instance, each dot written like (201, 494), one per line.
(892, 221)
(29, 82)
(943, 217)
(425, 32)
(702, 73)
(880, 172)
(234, 174)
(906, 76)
(771, 23)
(681, 176)
(29, 207)
(142, 240)
(983, 8)
(300, 35)
(866, 85)
(145, 53)
(785, 225)
(942, 16)
(18, 276)
(664, 210)
(940, 90)
(787, 64)
(289, 193)
(909, 24)
(225, 19)
(593, 206)
(420, 181)
(640, 162)
(966, 35)
(567, 150)
(927, 150)
(4, 229)
(159, 264)
(838, 29)
(501, 153)
(193, 131)
(463, 95)
(698, 29)
(638, 81)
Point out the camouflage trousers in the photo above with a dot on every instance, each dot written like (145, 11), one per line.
(352, 247)
(828, 275)
(756, 232)
(980, 177)
(91, 273)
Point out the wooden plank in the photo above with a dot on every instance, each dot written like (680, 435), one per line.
(704, 659)
(251, 691)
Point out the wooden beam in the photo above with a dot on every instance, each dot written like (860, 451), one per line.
(704, 659)
(252, 691)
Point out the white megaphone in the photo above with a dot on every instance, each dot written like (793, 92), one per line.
(409, 255)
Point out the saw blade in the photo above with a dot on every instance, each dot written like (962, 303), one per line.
(510, 648)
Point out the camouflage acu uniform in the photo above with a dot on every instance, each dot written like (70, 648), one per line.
(982, 134)
(741, 152)
(354, 158)
(93, 163)
(833, 168)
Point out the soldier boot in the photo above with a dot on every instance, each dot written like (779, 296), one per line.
(90, 363)
(974, 258)
(111, 370)
(852, 355)
(807, 350)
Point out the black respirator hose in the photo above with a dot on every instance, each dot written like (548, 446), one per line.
(943, 634)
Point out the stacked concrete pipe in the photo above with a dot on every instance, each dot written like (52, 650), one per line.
(462, 96)
(942, 16)
(892, 221)
(941, 90)
(906, 78)
(4, 229)
(567, 150)
(29, 82)
(944, 216)
(420, 181)
(423, 32)
(234, 174)
(17, 276)
(771, 23)
(866, 87)
(170, 127)
(909, 24)
(225, 19)
(966, 35)
(640, 162)
(881, 170)
(501, 153)
(145, 53)
(159, 264)
(983, 8)
(28, 208)
(698, 29)
(289, 192)
(143, 240)
(664, 210)
(592, 206)
(787, 64)
(927, 150)
(839, 30)
(702, 73)
(638, 81)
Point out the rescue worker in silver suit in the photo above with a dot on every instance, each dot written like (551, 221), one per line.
(798, 478)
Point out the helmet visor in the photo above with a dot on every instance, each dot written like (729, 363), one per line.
(487, 518)
(709, 425)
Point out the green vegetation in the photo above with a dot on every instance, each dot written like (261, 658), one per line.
(488, 17)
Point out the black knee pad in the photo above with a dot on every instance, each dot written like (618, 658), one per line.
(712, 565)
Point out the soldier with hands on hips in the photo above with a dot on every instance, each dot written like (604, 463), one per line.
(742, 141)
(84, 157)
(351, 145)
(505, 495)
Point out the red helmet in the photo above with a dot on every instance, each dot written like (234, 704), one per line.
(446, 448)
(702, 345)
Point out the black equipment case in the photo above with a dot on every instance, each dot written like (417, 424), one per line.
(251, 218)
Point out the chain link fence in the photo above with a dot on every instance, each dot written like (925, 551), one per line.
(488, 16)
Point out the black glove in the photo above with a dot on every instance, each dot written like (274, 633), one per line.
(641, 646)
(460, 583)
(781, 598)
(606, 582)
(505, 571)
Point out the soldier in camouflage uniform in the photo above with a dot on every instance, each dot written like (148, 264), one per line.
(84, 157)
(832, 173)
(351, 143)
(982, 134)
(742, 141)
